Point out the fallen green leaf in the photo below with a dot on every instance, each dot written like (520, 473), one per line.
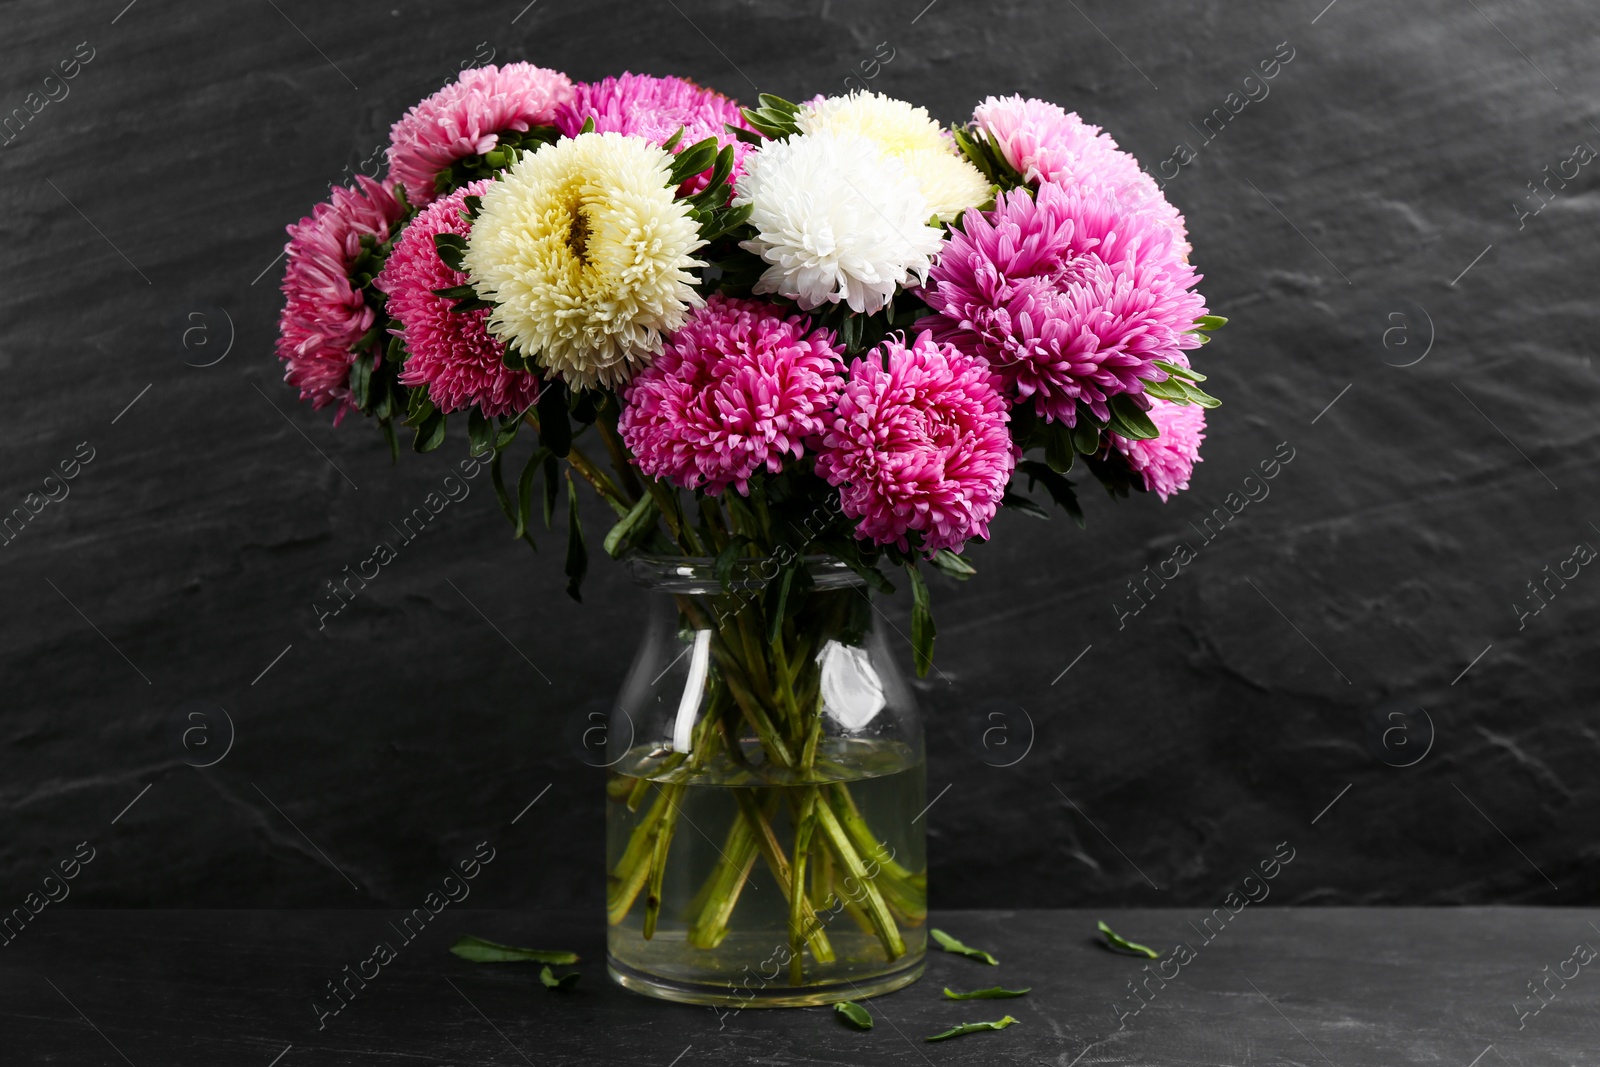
(477, 950)
(1119, 942)
(950, 944)
(972, 1028)
(997, 993)
(857, 1015)
(550, 981)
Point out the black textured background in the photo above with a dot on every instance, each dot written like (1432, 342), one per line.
(1226, 716)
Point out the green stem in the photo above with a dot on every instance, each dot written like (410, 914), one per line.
(778, 864)
(727, 880)
(598, 480)
(672, 793)
(628, 877)
(619, 458)
(883, 923)
(797, 883)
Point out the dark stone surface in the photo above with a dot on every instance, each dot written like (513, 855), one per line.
(1253, 690)
(1355, 987)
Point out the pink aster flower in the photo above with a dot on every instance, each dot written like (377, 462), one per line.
(324, 312)
(919, 442)
(1069, 296)
(466, 118)
(654, 108)
(1166, 462)
(451, 353)
(1049, 144)
(737, 389)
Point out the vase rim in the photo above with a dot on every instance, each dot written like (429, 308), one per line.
(698, 574)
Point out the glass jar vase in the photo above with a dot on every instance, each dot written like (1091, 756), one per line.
(766, 773)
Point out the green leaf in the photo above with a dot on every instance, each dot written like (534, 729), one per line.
(672, 142)
(922, 628)
(1059, 451)
(741, 134)
(1210, 322)
(552, 486)
(361, 381)
(996, 993)
(455, 292)
(497, 477)
(953, 565)
(555, 430)
(451, 248)
(777, 601)
(777, 103)
(855, 1013)
(973, 1028)
(472, 205)
(1059, 488)
(477, 950)
(577, 552)
(430, 435)
(588, 125)
(1197, 395)
(1023, 504)
(1117, 941)
(850, 332)
(692, 160)
(726, 219)
(1179, 371)
(950, 944)
(390, 436)
(1086, 436)
(524, 520)
(509, 425)
(1171, 389)
(480, 432)
(1130, 422)
(566, 981)
(631, 526)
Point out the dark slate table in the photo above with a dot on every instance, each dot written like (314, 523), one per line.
(1339, 986)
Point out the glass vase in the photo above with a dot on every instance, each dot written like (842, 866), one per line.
(766, 776)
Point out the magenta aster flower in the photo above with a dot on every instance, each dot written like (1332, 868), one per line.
(451, 353)
(1166, 462)
(1048, 144)
(1069, 296)
(919, 442)
(324, 313)
(466, 118)
(738, 388)
(654, 108)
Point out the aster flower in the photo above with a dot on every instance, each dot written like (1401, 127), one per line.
(1069, 296)
(654, 108)
(920, 443)
(837, 220)
(451, 353)
(1046, 143)
(948, 182)
(587, 255)
(737, 389)
(467, 117)
(325, 312)
(1166, 462)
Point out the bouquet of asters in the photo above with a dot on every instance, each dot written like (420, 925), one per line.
(836, 329)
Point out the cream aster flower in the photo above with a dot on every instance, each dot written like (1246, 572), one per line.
(837, 220)
(950, 183)
(587, 255)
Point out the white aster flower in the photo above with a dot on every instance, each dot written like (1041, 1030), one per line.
(948, 181)
(587, 255)
(837, 219)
